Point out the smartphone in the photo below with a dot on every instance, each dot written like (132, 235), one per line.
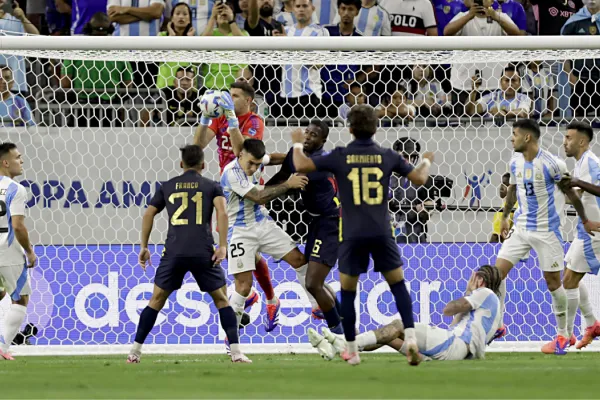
(478, 3)
(220, 2)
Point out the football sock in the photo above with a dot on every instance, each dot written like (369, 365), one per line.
(585, 305)
(403, 303)
(559, 306)
(352, 347)
(263, 277)
(332, 317)
(502, 290)
(301, 274)
(572, 306)
(12, 322)
(237, 302)
(147, 321)
(348, 315)
(229, 324)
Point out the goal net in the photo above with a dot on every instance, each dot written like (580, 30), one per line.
(99, 122)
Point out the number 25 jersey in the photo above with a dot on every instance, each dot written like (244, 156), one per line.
(541, 202)
(362, 171)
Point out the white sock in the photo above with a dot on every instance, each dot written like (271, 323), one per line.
(572, 306)
(137, 348)
(12, 322)
(238, 302)
(366, 339)
(235, 348)
(410, 334)
(301, 274)
(559, 306)
(585, 305)
(502, 290)
(274, 300)
(352, 347)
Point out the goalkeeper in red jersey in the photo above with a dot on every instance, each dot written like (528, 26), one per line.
(252, 126)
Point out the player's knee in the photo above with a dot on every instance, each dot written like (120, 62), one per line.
(158, 299)
(243, 284)
(570, 280)
(553, 281)
(313, 284)
(295, 258)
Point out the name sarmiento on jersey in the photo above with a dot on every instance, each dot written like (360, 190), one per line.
(364, 159)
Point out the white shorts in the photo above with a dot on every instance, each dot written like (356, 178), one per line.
(264, 237)
(584, 256)
(548, 247)
(439, 344)
(14, 280)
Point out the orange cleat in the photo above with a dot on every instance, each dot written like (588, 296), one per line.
(591, 332)
(5, 355)
(350, 358)
(558, 346)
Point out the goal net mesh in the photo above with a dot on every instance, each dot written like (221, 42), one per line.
(100, 130)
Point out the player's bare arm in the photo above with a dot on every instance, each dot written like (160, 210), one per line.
(420, 174)
(302, 163)
(471, 286)
(590, 226)
(511, 200)
(237, 139)
(147, 224)
(275, 158)
(572, 182)
(223, 226)
(459, 306)
(22, 235)
(203, 135)
(269, 193)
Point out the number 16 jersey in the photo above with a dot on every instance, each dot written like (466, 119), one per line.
(362, 171)
(541, 202)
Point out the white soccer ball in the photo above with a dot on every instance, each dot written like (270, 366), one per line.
(209, 104)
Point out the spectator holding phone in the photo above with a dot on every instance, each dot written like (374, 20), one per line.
(222, 23)
(515, 11)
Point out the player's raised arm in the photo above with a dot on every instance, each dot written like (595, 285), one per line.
(274, 159)
(222, 226)
(420, 174)
(302, 163)
(272, 192)
(204, 134)
(237, 139)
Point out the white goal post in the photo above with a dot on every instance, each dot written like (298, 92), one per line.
(98, 137)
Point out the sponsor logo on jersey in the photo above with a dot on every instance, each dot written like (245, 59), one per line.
(593, 30)
(252, 132)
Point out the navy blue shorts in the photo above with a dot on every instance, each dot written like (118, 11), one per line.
(172, 270)
(354, 255)
(323, 240)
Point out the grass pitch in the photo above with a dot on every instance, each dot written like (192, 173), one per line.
(501, 375)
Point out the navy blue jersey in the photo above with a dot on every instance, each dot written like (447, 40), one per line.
(189, 202)
(362, 171)
(318, 196)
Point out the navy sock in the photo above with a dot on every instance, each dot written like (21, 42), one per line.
(229, 324)
(147, 321)
(403, 303)
(332, 317)
(349, 315)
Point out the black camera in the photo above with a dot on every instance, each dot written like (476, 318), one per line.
(435, 187)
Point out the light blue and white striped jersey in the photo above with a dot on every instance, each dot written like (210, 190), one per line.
(302, 80)
(13, 197)
(541, 202)
(497, 100)
(139, 28)
(325, 10)
(372, 21)
(477, 327)
(587, 169)
(236, 184)
(288, 19)
(201, 12)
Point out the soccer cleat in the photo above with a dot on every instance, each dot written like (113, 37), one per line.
(572, 340)
(272, 317)
(251, 300)
(337, 341)
(5, 355)
(558, 346)
(590, 333)
(350, 358)
(240, 358)
(317, 313)
(324, 348)
(412, 352)
(500, 333)
(133, 358)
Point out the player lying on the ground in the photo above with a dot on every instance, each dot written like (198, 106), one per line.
(14, 240)
(583, 256)
(535, 176)
(322, 237)
(189, 199)
(362, 171)
(248, 124)
(476, 316)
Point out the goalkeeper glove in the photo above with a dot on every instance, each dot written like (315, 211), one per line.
(226, 102)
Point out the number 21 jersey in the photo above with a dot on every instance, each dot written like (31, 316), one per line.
(541, 202)
(362, 171)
